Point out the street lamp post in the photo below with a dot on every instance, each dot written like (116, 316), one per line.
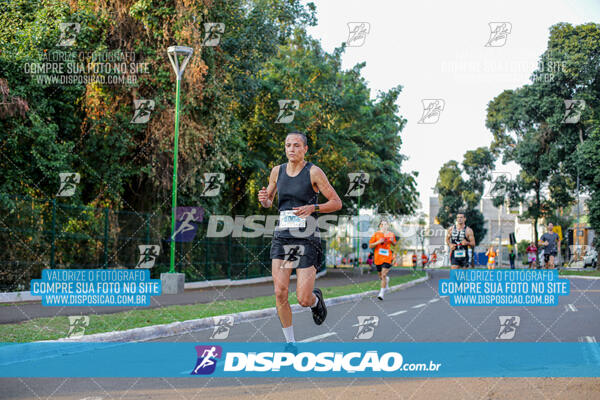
(179, 57)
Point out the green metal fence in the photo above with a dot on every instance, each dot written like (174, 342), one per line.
(50, 233)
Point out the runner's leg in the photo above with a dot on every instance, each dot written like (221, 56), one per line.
(281, 283)
(305, 285)
(384, 272)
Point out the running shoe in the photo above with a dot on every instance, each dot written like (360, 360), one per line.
(319, 312)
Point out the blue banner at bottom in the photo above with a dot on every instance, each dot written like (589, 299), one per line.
(325, 360)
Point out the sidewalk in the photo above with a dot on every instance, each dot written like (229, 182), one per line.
(18, 312)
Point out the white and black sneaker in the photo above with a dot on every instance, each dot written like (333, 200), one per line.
(319, 312)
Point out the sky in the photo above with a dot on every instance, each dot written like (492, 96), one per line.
(437, 50)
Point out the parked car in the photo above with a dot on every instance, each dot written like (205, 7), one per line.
(591, 258)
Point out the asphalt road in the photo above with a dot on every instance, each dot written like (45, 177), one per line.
(416, 314)
(23, 311)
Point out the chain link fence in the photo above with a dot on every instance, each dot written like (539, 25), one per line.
(47, 233)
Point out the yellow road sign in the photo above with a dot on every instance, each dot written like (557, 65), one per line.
(558, 229)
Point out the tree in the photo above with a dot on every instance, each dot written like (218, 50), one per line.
(525, 124)
(578, 51)
(455, 193)
(529, 128)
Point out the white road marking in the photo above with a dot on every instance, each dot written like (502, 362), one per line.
(419, 305)
(315, 338)
(434, 300)
(397, 313)
(588, 339)
(570, 307)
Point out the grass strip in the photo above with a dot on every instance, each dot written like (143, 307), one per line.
(58, 327)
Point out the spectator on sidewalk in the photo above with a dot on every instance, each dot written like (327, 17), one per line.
(370, 262)
(512, 257)
(531, 254)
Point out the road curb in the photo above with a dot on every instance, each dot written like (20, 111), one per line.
(26, 296)
(579, 277)
(178, 328)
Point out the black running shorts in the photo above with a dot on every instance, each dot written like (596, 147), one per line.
(302, 253)
(384, 265)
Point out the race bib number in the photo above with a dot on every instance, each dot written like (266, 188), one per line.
(287, 219)
(384, 252)
(460, 253)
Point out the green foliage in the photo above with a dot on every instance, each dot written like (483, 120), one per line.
(229, 100)
(527, 124)
(458, 194)
(522, 247)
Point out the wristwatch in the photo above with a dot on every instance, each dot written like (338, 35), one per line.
(317, 208)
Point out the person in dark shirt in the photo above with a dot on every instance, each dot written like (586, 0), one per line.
(511, 257)
(550, 242)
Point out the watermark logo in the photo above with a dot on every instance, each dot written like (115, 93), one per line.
(207, 359)
(292, 256)
(223, 324)
(494, 188)
(213, 181)
(357, 34)
(358, 182)
(68, 183)
(366, 326)
(573, 110)
(148, 254)
(287, 111)
(499, 32)
(327, 226)
(68, 33)
(185, 229)
(432, 109)
(508, 327)
(77, 325)
(142, 111)
(436, 254)
(213, 32)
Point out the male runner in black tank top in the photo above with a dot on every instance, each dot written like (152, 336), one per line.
(298, 184)
(459, 237)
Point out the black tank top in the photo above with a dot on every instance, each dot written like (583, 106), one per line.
(457, 236)
(296, 191)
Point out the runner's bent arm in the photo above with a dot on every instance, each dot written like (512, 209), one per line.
(318, 178)
(448, 236)
(470, 237)
(266, 195)
(374, 243)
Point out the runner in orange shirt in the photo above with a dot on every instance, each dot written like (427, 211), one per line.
(424, 260)
(414, 260)
(491, 257)
(434, 258)
(382, 241)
